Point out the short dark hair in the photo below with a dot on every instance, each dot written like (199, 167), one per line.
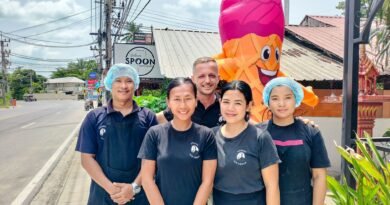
(203, 60)
(241, 86)
(180, 81)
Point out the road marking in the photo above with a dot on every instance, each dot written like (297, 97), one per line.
(28, 125)
(27, 195)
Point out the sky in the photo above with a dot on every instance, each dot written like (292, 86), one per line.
(58, 30)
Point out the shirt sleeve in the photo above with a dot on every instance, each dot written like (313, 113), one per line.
(148, 148)
(319, 156)
(87, 139)
(153, 119)
(168, 114)
(267, 150)
(210, 149)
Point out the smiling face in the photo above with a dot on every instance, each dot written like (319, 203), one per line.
(182, 101)
(282, 103)
(205, 77)
(122, 89)
(268, 63)
(234, 106)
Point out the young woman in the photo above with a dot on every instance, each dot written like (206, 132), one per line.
(179, 157)
(247, 172)
(302, 173)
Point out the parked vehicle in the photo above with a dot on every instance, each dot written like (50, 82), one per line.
(29, 98)
(88, 104)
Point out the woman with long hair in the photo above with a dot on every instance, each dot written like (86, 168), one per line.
(247, 171)
(179, 158)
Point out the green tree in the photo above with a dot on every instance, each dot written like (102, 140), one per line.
(380, 35)
(23, 81)
(131, 28)
(79, 69)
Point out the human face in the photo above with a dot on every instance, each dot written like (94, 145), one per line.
(206, 78)
(234, 107)
(122, 89)
(282, 103)
(182, 102)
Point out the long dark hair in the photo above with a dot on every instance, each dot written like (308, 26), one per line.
(180, 81)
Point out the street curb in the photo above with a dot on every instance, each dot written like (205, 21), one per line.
(27, 195)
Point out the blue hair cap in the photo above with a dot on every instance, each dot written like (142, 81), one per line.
(283, 81)
(121, 70)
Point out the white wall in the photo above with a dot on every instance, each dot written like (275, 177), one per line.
(331, 128)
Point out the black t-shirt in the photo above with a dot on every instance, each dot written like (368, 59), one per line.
(301, 148)
(208, 117)
(241, 159)
(179, 157)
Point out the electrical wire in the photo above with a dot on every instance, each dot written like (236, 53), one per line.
(49, 46)
(46, 60)
(34, 39)
(62, 27)
(53, 21)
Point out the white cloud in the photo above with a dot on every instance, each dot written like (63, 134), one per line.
(34, 12)
(198, 4)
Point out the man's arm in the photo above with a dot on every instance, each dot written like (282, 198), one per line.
(127, 193)
(161, 118)
(96, 173)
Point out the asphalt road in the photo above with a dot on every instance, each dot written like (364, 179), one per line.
(29, 134)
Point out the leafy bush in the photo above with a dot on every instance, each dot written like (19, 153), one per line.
(387, 133)
(156, 104)
(371, 173)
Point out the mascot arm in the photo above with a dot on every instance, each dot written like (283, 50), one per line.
(227, 68)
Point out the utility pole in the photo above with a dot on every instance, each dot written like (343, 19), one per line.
(4, 62)
(108, 34)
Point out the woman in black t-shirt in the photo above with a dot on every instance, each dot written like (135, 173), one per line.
(247, 171)
(302, 173)
(179, 157)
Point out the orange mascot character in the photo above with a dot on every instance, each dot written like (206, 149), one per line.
(252, 35)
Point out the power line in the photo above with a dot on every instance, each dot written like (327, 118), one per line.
(34, 39)
(60, 28)
(178, 22)
(50, 46)
(141, 11)
(135, 9)
(172, 16)
(46, 60)
(42, 24)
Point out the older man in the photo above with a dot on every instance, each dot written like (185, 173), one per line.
(110, 138)
(205, 77)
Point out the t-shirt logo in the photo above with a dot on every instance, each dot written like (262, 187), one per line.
(240, 157)
(102, 131)
(194, 152)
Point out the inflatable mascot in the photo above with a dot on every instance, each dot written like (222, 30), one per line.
(252, 35)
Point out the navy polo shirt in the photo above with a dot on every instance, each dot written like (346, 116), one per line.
(208, 117)
(179, 159)
(93, 128)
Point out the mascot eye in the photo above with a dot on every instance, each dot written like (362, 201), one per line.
(277, 55)
(265, 52)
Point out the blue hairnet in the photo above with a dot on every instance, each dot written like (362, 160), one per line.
(121, 70)
(292, 84)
